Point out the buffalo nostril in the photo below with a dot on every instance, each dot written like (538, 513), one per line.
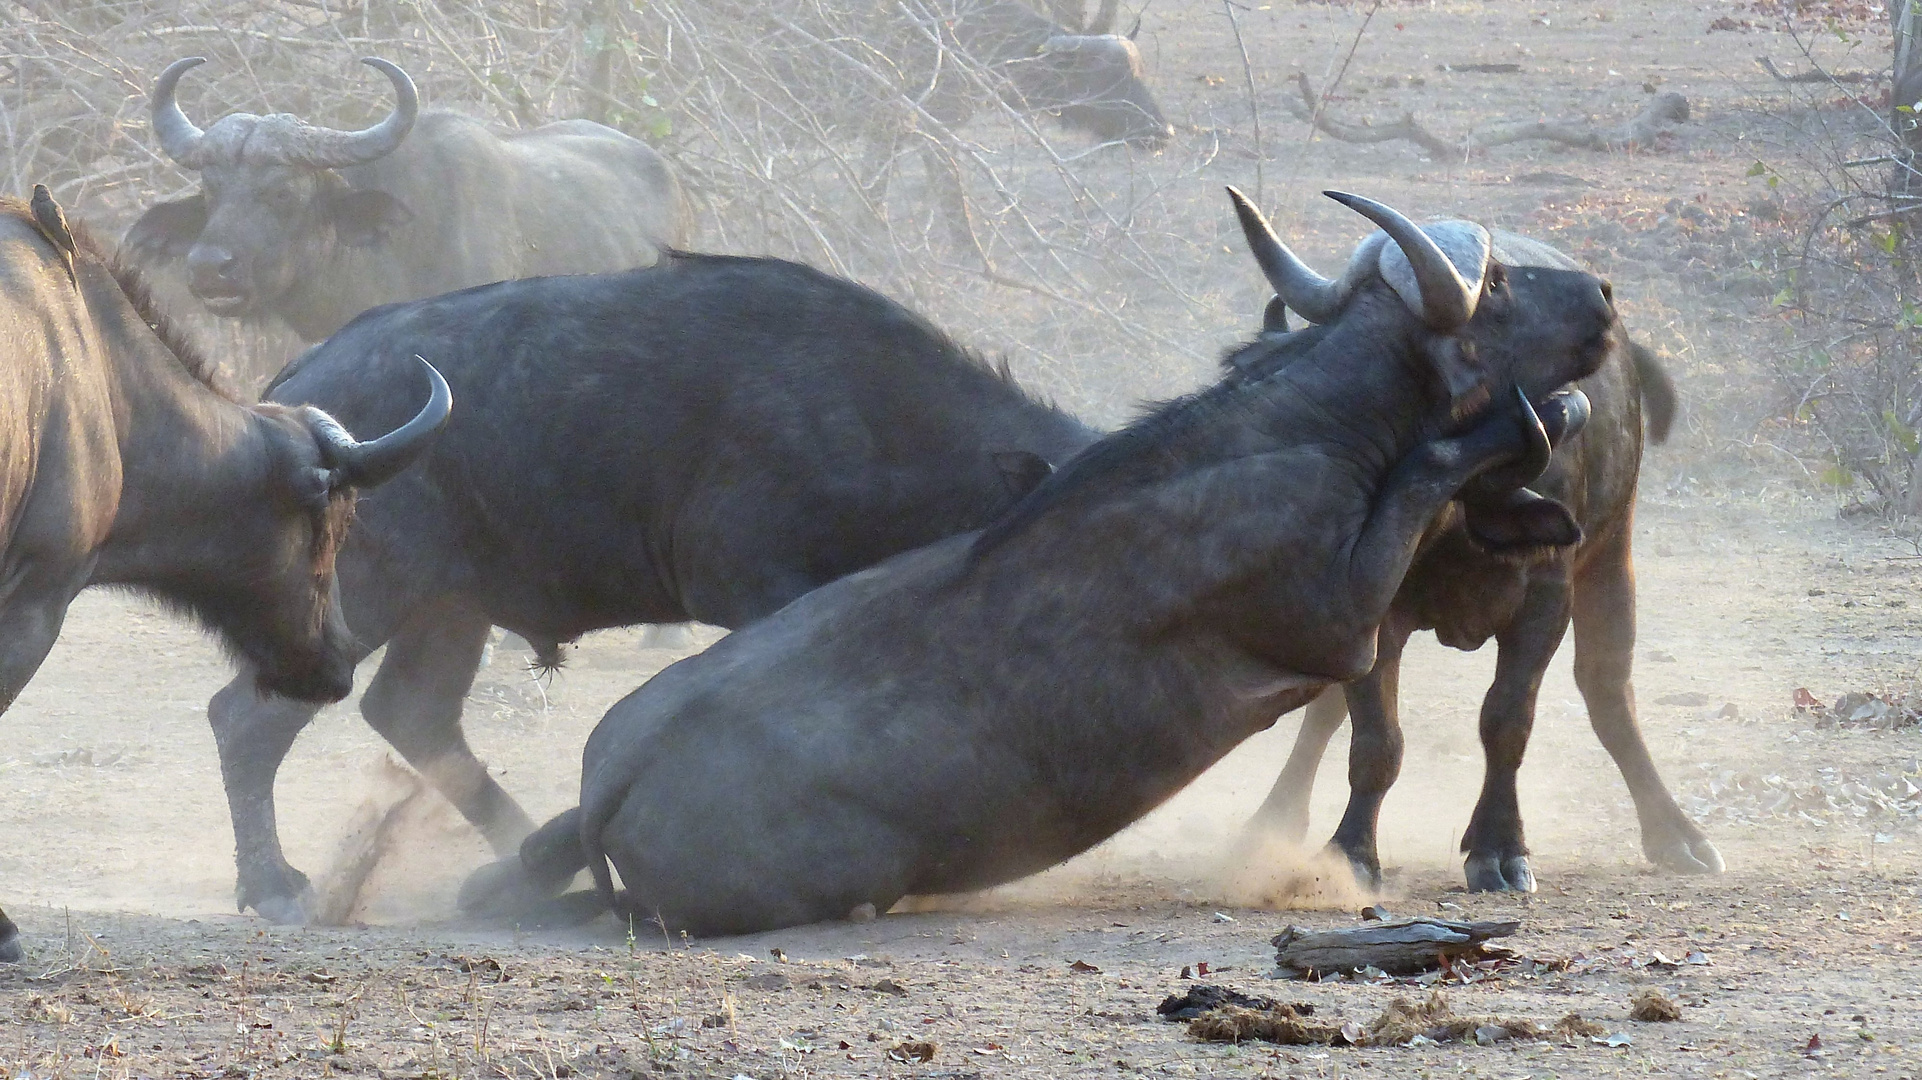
(212, 262)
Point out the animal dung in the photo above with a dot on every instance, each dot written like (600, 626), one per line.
(1650, 1006)
(1204, 997)
(1396, 946)
(1402, 1023)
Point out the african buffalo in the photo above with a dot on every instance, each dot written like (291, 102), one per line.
(10, 950)
(986, 706)
(1468, 594)
(707, 439)
(1091, 79)
(125, 465)
(313, 226)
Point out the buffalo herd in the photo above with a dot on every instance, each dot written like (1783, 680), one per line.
(973, 636)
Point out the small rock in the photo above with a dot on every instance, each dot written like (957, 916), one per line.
(862, 913)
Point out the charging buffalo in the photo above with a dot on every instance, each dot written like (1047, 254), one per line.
(991, 704)
(312, 226)
(707, 439)
(125, 465)
(1467, 594)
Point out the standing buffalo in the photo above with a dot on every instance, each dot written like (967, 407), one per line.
(708, 439)
(991, 704)
(1467, 594)
(10, 950)
(313, 226)
(122, 464)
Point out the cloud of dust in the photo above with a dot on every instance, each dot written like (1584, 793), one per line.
(401, 856)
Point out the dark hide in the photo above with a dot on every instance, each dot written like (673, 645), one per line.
(1467, 595)
(987, 706)
(10, 950)
(124, 465)
(273, 235)
(706, 439)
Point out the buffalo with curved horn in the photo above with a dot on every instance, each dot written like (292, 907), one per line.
(311, 226)
(991, 704)
(123, 463)
(1468, 593)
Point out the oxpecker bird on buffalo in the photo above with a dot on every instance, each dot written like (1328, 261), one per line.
(987, 706)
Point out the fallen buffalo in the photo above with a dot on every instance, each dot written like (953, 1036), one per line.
(707, 439)
(989, 705)
(122, 463)
(1467, 594)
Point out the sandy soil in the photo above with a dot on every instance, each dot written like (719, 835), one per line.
(119, 860)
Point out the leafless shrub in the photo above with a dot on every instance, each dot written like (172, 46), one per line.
(806, 129)
(1852, 364)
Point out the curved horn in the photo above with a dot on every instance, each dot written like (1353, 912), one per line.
(1314, 297)
(335, 149)
(178, 136)
(1447, 303)
(367, 464)
(1104, 18)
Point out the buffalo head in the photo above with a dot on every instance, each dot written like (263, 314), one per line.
(1486, 325)
(1093, 82)
(270, 203)
(279, 605)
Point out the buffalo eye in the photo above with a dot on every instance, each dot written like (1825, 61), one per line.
(314, 488)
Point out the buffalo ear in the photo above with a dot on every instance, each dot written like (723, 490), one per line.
(1274, 317)
(1522, 521)
(166, 232)
(1022, 470)
(363, 218)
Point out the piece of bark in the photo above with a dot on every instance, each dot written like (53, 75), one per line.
(1398, 947)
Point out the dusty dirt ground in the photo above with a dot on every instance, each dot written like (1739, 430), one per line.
(118, 860)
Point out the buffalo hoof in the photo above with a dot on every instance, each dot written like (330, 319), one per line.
(1490, 873)
(577, 908)
(1685, 855)
(503, 889)
(1365, 866)
(286, 910)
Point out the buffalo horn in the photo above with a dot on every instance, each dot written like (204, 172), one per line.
(367, 464)
(1447, 303)
(334, 149)
(1314, 297)
(178, 136)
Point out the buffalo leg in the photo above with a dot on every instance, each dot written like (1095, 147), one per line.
(1604, 611)
(415, 701)
(253, 733)
(1284, 813)
(1497, 853)
(1374, 756)
(33, 605)
(523, 882)
(10, 950)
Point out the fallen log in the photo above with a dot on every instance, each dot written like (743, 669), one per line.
(1398, 946)
(1640, 132)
